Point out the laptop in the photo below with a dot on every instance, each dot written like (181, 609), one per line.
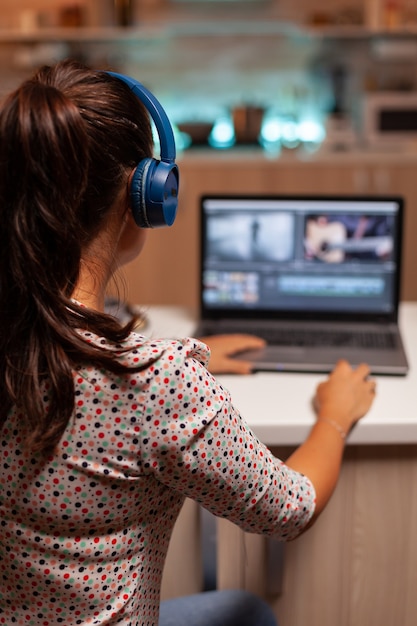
(317, 277)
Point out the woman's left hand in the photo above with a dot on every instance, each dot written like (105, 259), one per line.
(223, 347)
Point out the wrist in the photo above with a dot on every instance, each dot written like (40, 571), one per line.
(335, 425)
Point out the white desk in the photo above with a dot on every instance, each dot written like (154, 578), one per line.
(277, 405)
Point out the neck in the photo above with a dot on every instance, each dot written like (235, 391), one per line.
(96, 269)
(89, 296)
(95, 272)
(99, 259)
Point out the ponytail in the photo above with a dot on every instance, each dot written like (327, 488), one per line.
(43, 175)
(61, 166)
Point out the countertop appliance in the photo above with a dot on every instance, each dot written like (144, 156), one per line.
(389, 118)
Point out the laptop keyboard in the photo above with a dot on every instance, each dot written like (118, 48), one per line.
(325, 338)
(336, 338)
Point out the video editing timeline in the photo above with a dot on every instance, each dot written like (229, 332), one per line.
(292, 254)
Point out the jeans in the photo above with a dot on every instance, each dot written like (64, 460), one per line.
(217, 608)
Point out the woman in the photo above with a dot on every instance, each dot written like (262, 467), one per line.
(104, 432)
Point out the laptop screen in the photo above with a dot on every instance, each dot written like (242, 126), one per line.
(332, 255)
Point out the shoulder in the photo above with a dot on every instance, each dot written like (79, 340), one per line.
(139, 350)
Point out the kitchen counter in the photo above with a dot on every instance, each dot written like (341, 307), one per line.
(353, 156)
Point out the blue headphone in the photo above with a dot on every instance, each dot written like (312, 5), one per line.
(154, 184)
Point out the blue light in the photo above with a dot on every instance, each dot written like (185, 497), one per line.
(270, 135)
(290, 137)
(311, 131)
(222, 134)
(271, 131)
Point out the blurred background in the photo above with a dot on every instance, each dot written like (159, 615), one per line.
(274, 73)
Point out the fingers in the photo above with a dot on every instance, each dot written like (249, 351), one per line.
(238, 343)
(343, 367)
(229, 366)
(238, 367)
(362, 375)
(223, 347)
(362, 371)
(234, 341)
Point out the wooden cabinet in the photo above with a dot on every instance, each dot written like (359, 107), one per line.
(388, 15)
(356, 567)
(167, 270)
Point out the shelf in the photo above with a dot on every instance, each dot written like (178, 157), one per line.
(360, 32)
(233, 28)
(152, 31)
(226, 28)
(83, 34)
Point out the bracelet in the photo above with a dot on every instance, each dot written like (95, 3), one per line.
(335, 425)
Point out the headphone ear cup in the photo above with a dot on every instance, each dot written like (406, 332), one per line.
(137, 193)
(154, 193)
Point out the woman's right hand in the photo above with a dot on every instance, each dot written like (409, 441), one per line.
(346, 395)
(340, 402)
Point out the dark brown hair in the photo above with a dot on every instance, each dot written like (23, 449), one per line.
(67, 137)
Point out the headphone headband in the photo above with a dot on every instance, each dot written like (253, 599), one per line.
(157, 113)
(154, 184)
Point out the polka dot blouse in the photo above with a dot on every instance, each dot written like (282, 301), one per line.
(84, 534)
